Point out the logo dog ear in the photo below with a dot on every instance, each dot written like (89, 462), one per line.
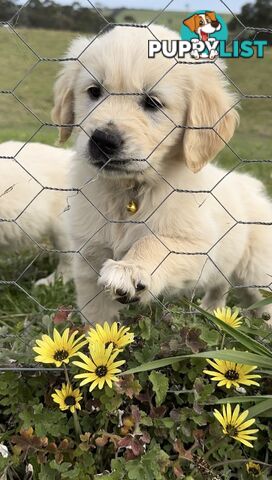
(211, 16)
(190, 23)
(211, 119)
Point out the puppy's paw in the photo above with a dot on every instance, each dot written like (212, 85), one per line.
(213, 54)
(127, 283)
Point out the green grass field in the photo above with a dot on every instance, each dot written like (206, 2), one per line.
(252, 141)
(168, 18)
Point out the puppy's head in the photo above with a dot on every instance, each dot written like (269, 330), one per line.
(135, 114)
(203, 24)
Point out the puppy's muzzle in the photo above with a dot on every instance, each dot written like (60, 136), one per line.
(104, 145)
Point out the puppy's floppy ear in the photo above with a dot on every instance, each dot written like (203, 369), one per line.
(211, 16)
(210, 105)
(190, 23)
(63, 110)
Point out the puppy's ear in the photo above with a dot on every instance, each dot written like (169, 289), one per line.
(63, 110)
(211, 16)
(210, 106)
(190, 23)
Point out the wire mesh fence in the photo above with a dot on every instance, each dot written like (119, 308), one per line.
(39, 309)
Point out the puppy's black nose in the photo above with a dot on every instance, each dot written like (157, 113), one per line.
(104, 144)
(215, 24)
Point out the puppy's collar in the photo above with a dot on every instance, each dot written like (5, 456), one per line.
(133, 204)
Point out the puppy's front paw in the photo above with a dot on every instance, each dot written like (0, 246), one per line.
(213, 54)
(126, 282)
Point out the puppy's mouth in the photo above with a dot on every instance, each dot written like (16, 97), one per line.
(204, 36)
(119, 167)
(111, 165)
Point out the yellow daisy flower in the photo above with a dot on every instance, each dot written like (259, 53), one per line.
(58, 349)
(67, 398)
(231, 374)
(229, 317)
(100, 366)
(234, 425)
(253, 469)
(119, 337)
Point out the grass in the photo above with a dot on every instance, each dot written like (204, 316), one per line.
(168, 18)
(252, 141)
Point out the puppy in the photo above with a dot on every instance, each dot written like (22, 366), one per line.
(30, 209)
(153, 217)
(203, 25)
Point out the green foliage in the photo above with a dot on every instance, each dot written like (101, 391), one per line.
(157, 422)
(160, 384)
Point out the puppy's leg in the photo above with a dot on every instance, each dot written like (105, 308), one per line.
(61, 242)
(151, 267)
(215, 297)
(94, 305)
(255, 269)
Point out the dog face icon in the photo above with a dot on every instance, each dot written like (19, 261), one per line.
(203, 24)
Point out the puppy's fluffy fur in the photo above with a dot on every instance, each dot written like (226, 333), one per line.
(182, 236)
(38, 212)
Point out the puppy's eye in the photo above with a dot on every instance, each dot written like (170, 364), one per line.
(94, 92)
(151, 103)
(201, 23)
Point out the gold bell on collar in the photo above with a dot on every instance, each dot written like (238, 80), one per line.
(132, 207)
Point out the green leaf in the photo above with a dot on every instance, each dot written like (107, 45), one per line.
(160, 385)
(260, 408)
(231, 355)
(145, 326)
(47, 473)
(238, 399)
(61, 468)
(261, 303)
(239, 336)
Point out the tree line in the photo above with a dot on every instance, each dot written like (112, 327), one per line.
(50, 15)
(257, 15)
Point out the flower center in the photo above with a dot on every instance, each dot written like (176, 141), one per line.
(254, 471)
(231, 430)
(109, 343)
(61, 355)
(70, 401)
(232, 375)
(101, 371)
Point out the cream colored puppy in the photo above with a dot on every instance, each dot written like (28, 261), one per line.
(153, 218)
(30, 209)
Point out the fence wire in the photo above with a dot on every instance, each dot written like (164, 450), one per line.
(38, 59)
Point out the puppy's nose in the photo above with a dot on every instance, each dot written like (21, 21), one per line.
(104, 144)
(215, 23)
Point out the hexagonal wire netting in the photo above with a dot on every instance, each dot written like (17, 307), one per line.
(39, 60)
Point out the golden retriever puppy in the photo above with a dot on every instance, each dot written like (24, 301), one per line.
(153, 217)
(30, 208)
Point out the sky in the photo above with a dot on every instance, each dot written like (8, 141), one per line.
(176, 5)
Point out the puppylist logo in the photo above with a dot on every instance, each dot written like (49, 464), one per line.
(204, 35)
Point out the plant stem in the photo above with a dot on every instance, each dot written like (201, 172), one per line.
(77, 425)
(75, 416)
(222, 342)
(66, 374)
(241, 460)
